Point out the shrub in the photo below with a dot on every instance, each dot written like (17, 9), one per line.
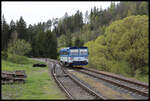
(20, 47)
(4, 55)
(17, 59)
(121, 67)
(128, 39)
(123, 48)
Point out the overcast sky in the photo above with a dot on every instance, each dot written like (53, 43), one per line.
(34, 12)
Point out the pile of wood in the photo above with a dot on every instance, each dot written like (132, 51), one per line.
(17, 76)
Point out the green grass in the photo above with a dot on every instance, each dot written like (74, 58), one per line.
(39, 84)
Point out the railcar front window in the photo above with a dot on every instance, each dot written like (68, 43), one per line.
(74, 52)
(64, 53)
(83, 52)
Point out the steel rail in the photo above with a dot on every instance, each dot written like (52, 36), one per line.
(89, 90)
(60, 84)
(118, 84)
(98, 96)
(120, 78)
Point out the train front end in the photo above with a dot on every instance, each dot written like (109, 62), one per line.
(78, 56)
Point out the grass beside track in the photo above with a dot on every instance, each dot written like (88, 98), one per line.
(39, 84)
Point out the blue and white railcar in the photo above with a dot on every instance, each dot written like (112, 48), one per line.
(71, 56)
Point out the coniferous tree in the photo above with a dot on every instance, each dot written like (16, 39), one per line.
(5, 33)
(21, 29)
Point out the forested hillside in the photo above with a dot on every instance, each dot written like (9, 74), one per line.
(123, 48)
(117, 37)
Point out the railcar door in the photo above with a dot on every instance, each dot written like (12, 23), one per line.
(67, 56)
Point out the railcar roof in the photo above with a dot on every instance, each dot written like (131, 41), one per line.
(64, 49)
(78, 48)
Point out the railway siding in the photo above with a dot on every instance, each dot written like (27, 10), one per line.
(134, 86)
(132, 90)
(99, 85)
(145, 85)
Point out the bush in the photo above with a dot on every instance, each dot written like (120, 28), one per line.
(128, 39)
(4, 55)
(20, 47)
(17, 59)
(123, 48)
(121, 67)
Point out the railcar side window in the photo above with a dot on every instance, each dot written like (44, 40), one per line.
(83, 52)
(63, 53)
(74, 52)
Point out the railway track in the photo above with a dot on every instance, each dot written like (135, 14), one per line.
(72, 86)
(127, 84)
